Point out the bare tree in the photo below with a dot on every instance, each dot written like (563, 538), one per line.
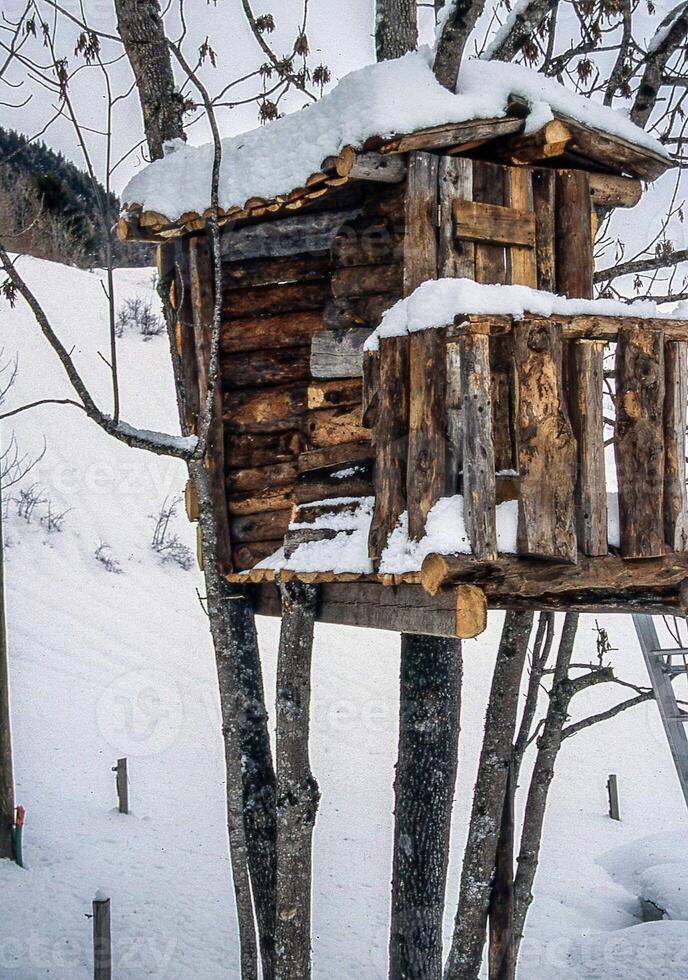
(459, 19)
(396, 28)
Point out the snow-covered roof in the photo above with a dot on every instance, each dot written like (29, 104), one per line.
(436, 304)
(382, 100)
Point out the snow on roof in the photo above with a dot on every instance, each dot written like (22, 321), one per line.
(436, 303)
(386, 99)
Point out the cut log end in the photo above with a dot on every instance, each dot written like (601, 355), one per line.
(471, 612)
(434, 573)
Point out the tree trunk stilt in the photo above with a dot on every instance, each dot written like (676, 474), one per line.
(502, 960)
(297, 791)
(430, 701)
(478, 871)
(6, 772)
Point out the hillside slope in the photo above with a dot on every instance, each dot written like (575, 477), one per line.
(107, 664)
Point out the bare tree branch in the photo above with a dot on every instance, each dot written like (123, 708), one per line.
(460, 19)
(669, 36)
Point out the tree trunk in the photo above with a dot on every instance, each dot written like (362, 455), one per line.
(430, 700)
(549, 744)
(6, 772)
(502, 961)
(458, 25)
(396, 28)
(297, 790)
(140, 25)
(488, 800)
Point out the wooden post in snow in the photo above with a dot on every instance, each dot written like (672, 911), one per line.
(102, 945)
(613, 793)
(122, 779)
(297, 790)
(6, 770)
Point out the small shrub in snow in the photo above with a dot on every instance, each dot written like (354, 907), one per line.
(165, 541)
(138, 315)
(28, 500)
(53, 520)
(104, 556)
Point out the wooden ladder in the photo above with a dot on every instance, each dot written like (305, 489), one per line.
(662, 669)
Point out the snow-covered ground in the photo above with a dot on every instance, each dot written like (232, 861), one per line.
(107, 664)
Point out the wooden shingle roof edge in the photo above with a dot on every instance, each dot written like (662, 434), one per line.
(381, 159)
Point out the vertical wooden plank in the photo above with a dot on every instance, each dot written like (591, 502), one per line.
(479, 484)
(587, 419)
(371, 388)
(201, 288)
(454, 418)
(391, 439)
(575, 261)
(426, 443)
(456, 258)
(425, 477)
(102, 942)
(501, 366)
(546, 446)
(639, 440)
(545, 228)
(488, 188)
(420, 238)
(675, 502)
(521, 260)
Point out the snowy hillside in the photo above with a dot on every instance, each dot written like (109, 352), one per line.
(109, 663)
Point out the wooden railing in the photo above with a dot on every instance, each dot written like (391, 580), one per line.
(517, 412)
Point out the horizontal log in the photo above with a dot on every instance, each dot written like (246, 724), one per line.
(331, 427)
(251, 449)
(338, 353)
(351, 480)
(255, 369)
(453, 134)
(371, 166)
(266, 410)
(605, 147)
(365, 311)
(261, 477)
(310, 513)
(365, 280)
(260, 501)
(307, 535)
(574, 327)
(255, 300)
(340, 455)
(306, 234)
(610, 191)
(248, 555)
(268, 526)
(263, 272)
(324, 393)
(368, 244)
(493, 223)
(269, 332)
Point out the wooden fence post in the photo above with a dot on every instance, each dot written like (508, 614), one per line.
(613, 793)
(122, 780)
(102, 945)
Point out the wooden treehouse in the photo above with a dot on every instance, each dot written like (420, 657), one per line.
(455, 465)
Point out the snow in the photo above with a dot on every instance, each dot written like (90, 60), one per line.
(384, 99)
(665, 27)
(435, 304)
(105, 665)
(164, 440)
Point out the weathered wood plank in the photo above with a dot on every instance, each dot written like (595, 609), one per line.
(334, 393)
(366, 242)
(544, 184)
(262, 477)
(366, 280)
(264, 272)
(546, 446)
(302, 235)
(610, 191)
(488, 188)
(253, 449)
(639, 441)
(521, 257)
(675, 498)
(342, 455)
(575, 260)
(363, 311)
(278, 409)
(334, 426)
(454, 135)
(391, 438)
(268, 526)
(425, 475)
(479, 490)
(456, 257)
(586, 399)
(287, 298)
(351, 479)
(248, 555)
(258, 368)
(338, 353)
(494, 223)
(260, 501)
(420, 240)
(454, 420)
(263, 333)
(502, 401)
(371, 388)
(385, 169)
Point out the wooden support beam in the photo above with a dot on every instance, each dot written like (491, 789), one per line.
(454, 420)
(585, 401)
(456, 258)
(338, 353)
(471, 611)
(639, 441)
(575, 259)
(675, 498)
(493, 223)
(298, 795)
(385, 169)
(609, 191)
(546, 446)
(371, 388)
(544, 182)
(522, 256)
(479, 488)
(473, 133)
(391, 441)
